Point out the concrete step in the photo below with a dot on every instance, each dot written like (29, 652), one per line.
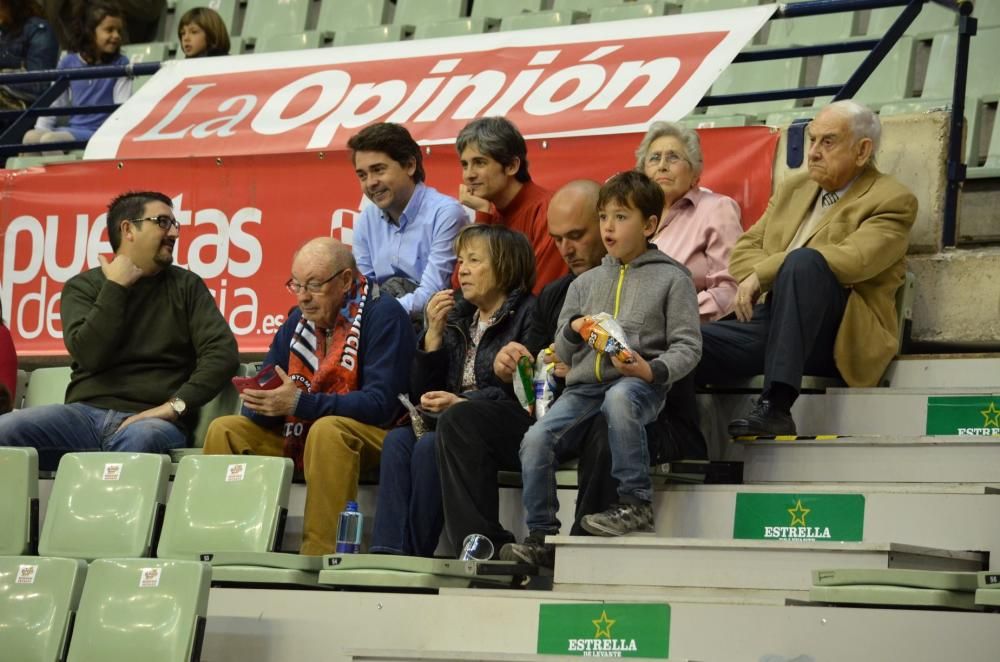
(884, 459)
(732, 564)
(954, 371)
(930, 515)
(248, 625)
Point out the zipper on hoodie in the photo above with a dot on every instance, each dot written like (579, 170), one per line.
(618, 300)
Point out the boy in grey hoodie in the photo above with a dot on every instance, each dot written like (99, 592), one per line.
(653, 299)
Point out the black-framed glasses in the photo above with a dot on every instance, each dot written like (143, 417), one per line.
(165, 222)
(313, 286)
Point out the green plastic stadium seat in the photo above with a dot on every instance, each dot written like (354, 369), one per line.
(991, 167)
(250, 494)
(47, 386)
(264, 17)
(419, 12)
(38, 597)
(22, 387)
(893, 596)
(376, 34)
(410, 572)
(226, 9)
(988, 14)
(147, 609)
(715, 5)
(891, 80)
(715, 121)
(585, 5)
(299, 41)
(104, 505)
(543, 19)
(457, 28)
(745, 77)
(932, 18)
(634, 10)
(225, 403)
(18, 500)
(786, 117)
(23, 162)
(157, 51)
(353, 14)
(933, 579)
(503, 8)
(809, 30)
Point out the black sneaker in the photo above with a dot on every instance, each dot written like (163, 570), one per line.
(764, 420)
(620, 520)
(532, 551)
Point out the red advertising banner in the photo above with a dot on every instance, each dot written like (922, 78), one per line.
(242, 217)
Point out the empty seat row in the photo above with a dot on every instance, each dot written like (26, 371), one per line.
(61, 609)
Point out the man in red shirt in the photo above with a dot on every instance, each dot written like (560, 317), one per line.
(8, 369)
(496, 184)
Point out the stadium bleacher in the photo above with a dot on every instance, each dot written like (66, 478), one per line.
(930, 501)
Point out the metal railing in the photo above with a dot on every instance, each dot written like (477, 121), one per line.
(877, 50)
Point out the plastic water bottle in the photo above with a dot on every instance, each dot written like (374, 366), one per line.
(349, 530)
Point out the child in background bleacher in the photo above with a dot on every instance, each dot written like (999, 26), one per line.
(202, 33)
(653, 299)
(97, 41)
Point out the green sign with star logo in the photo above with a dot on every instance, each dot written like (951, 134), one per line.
(805, 517)
(976, 415)
(604, 630)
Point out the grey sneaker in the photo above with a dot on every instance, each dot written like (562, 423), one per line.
(532, 551)
(620, 520)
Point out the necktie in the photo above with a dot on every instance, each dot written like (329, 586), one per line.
(829, 199)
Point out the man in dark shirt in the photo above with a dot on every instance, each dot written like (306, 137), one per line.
(149, 345)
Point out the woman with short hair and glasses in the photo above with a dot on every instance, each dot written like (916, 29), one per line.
(454, 363)
(698, 228)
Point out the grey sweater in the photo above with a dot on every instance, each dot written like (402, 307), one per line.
(657, 308)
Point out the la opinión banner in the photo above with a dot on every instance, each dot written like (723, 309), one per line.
(601, 78)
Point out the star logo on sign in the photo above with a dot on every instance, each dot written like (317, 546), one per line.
(799, 513)
(603, 625)
(991, 416)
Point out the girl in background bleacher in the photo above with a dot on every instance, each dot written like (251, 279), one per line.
(98, 41)
(202, 33)
(27, 43)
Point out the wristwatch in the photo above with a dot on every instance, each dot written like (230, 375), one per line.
(178, 406)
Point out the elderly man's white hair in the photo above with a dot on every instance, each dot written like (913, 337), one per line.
(864, 123)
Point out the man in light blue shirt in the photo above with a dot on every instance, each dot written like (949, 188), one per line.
(404, 240)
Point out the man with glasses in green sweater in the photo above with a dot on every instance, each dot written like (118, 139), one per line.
(149, 345)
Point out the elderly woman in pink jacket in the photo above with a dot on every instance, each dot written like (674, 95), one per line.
(698, 228)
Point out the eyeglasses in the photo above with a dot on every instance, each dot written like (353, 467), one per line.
(165, 222)
(313, 287)
(670, 158)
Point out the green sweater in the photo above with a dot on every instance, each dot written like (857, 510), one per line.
(135, 348)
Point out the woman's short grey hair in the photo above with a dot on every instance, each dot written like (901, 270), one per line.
(689, 138)
(864, 123)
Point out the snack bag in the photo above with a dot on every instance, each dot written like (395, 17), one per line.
(545, 383)
(524, 387)
(606, 336)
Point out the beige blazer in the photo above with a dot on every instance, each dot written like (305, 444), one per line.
(863, 237)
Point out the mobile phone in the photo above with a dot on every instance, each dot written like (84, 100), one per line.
(265, 380)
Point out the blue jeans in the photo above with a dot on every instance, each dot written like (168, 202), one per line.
(409, 515)
(628, 405)
(59, 429)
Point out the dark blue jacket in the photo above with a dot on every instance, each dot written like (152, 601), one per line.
(385, 355)
(441, 370)
(33, 48)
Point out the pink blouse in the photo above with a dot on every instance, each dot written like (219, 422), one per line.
(699, 231)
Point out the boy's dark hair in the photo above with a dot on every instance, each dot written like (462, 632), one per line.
(216, 34)
(393, 140)
(89, 16)
(129, 206)
(630, 188)
(511, 254)
(499, 139)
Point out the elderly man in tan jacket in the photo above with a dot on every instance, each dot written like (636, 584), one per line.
(818, 275)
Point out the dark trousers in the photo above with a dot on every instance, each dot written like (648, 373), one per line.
(476, 439)
(408, 514)
(790, 334)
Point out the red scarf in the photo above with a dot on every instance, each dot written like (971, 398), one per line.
(325, 361)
